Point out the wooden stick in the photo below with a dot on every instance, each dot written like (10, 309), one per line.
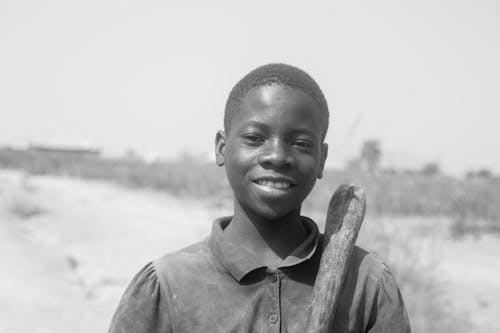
(343, 221)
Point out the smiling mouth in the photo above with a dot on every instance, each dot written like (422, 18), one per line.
(280, 185)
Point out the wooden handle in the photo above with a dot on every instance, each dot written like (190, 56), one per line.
(346, 211)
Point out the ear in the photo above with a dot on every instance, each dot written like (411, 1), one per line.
(324, 154)
(220, 147)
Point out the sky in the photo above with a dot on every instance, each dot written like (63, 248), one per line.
(422, 77)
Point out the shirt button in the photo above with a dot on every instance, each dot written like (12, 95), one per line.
(273, 318)
(274, 279)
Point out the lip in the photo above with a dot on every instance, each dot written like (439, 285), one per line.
(278, 188)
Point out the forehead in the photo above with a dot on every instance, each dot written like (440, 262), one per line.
(282, 105)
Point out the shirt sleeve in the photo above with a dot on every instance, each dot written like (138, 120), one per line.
(389, 312)
(143, 307)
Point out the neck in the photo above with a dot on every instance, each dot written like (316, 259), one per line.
(270, 240)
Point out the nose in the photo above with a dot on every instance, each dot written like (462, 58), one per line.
(276, 154)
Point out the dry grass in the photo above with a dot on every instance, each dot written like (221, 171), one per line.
(410, 247)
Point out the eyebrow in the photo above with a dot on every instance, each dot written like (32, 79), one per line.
(299, 130)
(256, 124)
(303, 130)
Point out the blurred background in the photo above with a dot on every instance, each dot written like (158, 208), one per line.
(108, 114)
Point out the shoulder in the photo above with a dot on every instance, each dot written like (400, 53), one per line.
(369, 274)
(191, 255)
(374, 279)
(368, 265)
(370, 297)
(363, 265)
(145, 279)
(185, 264)
(382, 307)
(141, 305)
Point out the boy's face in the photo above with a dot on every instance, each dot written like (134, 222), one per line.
(274, 152)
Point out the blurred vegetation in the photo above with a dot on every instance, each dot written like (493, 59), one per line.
(472, 202)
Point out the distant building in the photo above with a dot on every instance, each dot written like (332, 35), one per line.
(73, 151)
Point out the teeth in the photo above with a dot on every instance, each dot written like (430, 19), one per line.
(270, 183)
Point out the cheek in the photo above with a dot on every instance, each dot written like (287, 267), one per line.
(239, 159)
(311, 171)
(311, 166)
(309, 184)
(236, 169)
(234, 166)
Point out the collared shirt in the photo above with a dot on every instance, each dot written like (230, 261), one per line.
(218, 286)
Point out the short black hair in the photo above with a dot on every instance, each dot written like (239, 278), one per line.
(275, 74)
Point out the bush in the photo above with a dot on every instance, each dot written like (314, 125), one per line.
(472, 202)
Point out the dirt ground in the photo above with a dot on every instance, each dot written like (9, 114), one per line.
(69, 248)
(470, 271)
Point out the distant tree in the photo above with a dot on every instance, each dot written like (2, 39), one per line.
(431, 169)
(485, 174)
(480, 174)
(371, 154)
(132, 156)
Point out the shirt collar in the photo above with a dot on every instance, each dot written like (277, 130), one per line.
(239, 261)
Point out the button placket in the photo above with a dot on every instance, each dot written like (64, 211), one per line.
(274, 316)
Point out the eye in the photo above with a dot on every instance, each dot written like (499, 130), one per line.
(303, 144)
(253, 139)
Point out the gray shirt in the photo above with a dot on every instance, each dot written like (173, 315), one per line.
(218, 286)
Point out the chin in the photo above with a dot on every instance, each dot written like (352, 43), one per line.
(271, 213)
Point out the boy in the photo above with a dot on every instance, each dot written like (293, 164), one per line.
(256, 271)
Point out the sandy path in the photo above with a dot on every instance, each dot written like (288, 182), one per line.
(65, 270)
